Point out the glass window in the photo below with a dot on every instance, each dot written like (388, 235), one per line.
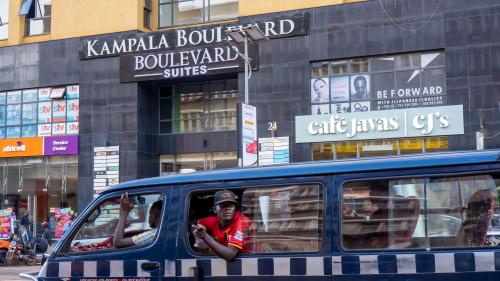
(38, 18)
(4, 19)
(97, 231)
(275, 219)
(411, 60)
(322, 151)
(435, 212)
(436, 144)
(200, 107)
(378, 148)
(147, 13)
(192, 162)
(319, 70)
(360, 65)
(410, 146)
(338, 67)
(179, 12)
(383, 64)
(344, 150)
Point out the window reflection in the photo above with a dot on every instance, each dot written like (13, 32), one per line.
(195, 162)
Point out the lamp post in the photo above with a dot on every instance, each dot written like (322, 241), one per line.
(244, 34)
(247, 114)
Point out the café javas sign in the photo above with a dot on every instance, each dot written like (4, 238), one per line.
(106, 46)
(383, 124)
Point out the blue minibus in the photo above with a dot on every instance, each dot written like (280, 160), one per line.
(419, 217)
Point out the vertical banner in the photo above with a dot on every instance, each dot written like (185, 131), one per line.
(106, 167)
(6, 224)
(247, 135)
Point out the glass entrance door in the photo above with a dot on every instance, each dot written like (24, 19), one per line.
(46, 186)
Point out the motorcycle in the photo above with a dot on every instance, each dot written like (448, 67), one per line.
(22, 251)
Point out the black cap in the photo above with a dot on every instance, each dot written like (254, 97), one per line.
(225, 196)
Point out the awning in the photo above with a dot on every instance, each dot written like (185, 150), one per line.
(25, 7)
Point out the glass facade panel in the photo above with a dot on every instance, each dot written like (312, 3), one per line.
(180, 12)
(44, 185)
(345, 150)
(378, 148)
(323, 151)
(411, 146)
(199, 107)
(192, 162)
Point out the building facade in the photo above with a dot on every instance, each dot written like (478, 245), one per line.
(147, 88)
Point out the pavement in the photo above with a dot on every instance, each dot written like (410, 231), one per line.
(11, 273)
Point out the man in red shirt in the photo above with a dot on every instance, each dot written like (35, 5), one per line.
(228, 227)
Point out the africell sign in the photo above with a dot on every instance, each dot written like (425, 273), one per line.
(60, 145)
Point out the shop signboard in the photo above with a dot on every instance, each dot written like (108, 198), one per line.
(176, 64)
(60, 145)
(384, 124)
(247, 131)
(21, 147)
(274, 151)
(6, 224)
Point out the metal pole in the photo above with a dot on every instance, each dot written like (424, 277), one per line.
(247, 62)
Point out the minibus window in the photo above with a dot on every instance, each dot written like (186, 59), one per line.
(421, 213)
(280, 219)
(97, 231)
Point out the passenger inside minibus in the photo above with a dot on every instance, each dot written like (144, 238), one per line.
(420, 212)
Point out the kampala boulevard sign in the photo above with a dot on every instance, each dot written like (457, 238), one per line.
(384, 124)
(115, 45)
(189, 52)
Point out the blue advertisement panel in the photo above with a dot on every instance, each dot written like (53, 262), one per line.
(73, 92)
(3, 116)
(59, 111)
(73, 109)
(30, 95)
(29, 113)
(29, 131)
(14, 97)
(13, 132)
(14, 114)
(45, 112)
(44, 94)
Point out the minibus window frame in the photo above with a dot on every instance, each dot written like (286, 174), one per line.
(61, 250)
(420, 173)
(234, 186)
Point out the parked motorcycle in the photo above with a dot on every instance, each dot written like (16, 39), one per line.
(22, 251)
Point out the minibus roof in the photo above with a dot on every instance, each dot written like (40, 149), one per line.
(322, 167)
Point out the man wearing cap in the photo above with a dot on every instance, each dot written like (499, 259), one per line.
(227, 227)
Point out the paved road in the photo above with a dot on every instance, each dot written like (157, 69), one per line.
(11, 273)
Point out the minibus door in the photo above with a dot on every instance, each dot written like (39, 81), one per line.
(88, 251)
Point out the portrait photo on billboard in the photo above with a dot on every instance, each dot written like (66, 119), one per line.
(360, 87)
(319, 109)
(320, 90)
(339, 88)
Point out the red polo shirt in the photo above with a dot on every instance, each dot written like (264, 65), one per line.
(233, 235)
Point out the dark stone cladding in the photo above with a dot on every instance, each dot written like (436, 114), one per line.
(126, 114)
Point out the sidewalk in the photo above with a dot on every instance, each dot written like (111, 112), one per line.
(11, 273)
